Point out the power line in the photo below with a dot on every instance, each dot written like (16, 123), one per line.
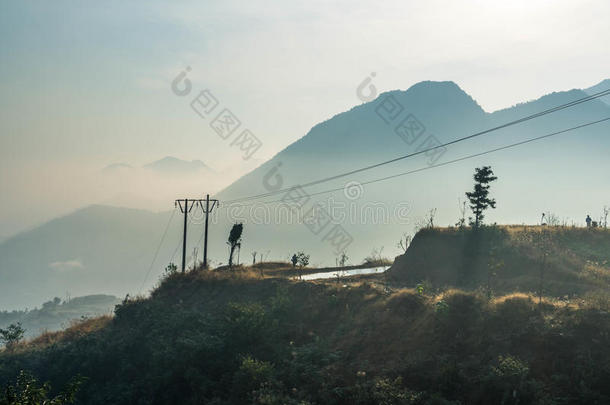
(444, 163)
(158, 248)
(171, 260)
(477, 134)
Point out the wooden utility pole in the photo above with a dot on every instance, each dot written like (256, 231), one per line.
(207, 210)
(186, 206)
(185, 210)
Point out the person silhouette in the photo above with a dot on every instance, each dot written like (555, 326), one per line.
(588, 221)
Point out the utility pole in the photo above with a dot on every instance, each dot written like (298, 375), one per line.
(207, 210)
(186, 206)
(185, 210)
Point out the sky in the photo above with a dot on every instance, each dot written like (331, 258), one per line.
(87, 84)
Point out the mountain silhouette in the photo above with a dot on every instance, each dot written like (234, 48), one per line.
(172, 165)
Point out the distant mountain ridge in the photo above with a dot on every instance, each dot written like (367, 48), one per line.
(603, 85)
(166, 165)
(170, 164)
(57, 314)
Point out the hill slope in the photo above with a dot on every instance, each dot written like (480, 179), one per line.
(567, 261)
(218, 339)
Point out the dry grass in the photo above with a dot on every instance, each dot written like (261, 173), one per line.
(77, 329)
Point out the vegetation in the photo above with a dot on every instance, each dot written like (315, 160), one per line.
(234, 241)
(207, 337)
(479, 197)
(11, 335)
(542, 260)
(244, 337)
(27, 391)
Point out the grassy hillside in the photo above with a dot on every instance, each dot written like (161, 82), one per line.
(225, 338)
(563, 260)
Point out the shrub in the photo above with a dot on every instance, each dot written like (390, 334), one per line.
(12, 335)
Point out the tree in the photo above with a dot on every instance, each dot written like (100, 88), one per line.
(11, 335)
(234, 240)
(254, 257)
(343, 258)
(27, 390)
(303, 259)
(479, 197)
(300, 259)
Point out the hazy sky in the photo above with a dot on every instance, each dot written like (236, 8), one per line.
(85, 84)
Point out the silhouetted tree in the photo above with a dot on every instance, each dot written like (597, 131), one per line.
(303, 259)
(234, 240)
(479, 197)
(294, 260)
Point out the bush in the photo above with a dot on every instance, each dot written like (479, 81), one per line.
(12, 335)
(27, 391)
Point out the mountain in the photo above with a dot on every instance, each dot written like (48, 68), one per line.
(172, 165)
(57, 314)
(97, 249)
(604, 85)
(556, 172)
(116, 167)
(114, 247)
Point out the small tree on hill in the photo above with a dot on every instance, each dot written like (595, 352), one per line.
(479, 197)
(234, 241)
(303, 259)
(12, 335)
(300, 259)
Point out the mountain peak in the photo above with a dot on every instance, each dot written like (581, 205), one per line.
(171, 164)
(439, 96)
